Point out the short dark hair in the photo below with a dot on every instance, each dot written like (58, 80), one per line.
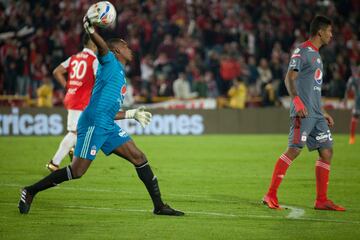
(114, 41)
(318, 23)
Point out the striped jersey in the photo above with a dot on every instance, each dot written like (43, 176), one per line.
(306, 60)
(108, 93)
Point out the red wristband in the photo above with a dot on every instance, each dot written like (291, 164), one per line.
(298, 104)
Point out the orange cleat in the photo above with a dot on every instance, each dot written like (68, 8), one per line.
(271, 201)
(352, 140)
(328, 205)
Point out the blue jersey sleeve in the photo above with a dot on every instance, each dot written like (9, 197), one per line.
(107, 58)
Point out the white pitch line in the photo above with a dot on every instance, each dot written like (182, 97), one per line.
(295, 213)
(127, 192)
(215, 214)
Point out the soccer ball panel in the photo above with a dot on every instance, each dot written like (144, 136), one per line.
(106, 11)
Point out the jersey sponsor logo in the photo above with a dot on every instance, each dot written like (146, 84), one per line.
(318, 76)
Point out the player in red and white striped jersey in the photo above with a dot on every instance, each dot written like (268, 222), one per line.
(81, 70)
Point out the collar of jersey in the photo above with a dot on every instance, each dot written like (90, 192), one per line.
(308, 43)
(91, 52)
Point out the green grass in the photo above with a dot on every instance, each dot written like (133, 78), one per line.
(217, 180)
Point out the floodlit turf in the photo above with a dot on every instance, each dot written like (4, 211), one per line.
(217, 180)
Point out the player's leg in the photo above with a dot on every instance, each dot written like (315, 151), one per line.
(68, 141)
(75, 171)
(82, 160)
(130, 152)
(320, 139)
(297, 139)
(121, 144)
(353, 124)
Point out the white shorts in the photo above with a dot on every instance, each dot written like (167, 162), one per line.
(72, 119)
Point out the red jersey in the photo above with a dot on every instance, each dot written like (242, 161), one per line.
(81, 69)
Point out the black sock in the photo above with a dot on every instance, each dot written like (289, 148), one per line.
(147, 176)
(51, 180)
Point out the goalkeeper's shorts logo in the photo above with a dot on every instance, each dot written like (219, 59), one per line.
(93, 151)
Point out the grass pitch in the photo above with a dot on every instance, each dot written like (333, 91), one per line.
(217, 180)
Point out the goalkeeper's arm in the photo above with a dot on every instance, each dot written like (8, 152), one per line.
(101, 45)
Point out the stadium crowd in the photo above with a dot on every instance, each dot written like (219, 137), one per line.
(182, 49)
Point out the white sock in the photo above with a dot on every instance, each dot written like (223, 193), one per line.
(66, 144)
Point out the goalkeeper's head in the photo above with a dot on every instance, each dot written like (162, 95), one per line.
(121, 50)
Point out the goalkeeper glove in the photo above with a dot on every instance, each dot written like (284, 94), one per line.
(140, 115)
(89, 19)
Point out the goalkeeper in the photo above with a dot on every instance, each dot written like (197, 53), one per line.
(97, 130)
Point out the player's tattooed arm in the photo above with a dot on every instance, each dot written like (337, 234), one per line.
(290, 83)
(58, 74)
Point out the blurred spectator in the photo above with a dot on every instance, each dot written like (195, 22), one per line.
(10, 72)
(253, 75)
(181, 36)
(182, 89)
(163, 87)
(265, 75)
(147, 73)
(229, 69)
(237, 94)
(45, 93)
(337, 86)
(23, 72)
(201, 87)
(212, 90)
(39, 72)
(268, 95)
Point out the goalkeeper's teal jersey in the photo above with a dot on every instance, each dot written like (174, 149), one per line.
(108, 94)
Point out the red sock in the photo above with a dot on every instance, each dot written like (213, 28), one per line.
(281, 166)
(353, 124)
(322, 171)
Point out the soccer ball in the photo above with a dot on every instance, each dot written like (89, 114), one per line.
(106, 11)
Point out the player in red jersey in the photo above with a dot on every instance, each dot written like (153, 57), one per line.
(309, 125)
(81, 70)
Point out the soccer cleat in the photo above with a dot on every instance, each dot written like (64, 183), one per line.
(52, 167)
(328, 205)
(167, 210)
(25, 201)
(271, 201)
(352, 140)
(71, 154)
